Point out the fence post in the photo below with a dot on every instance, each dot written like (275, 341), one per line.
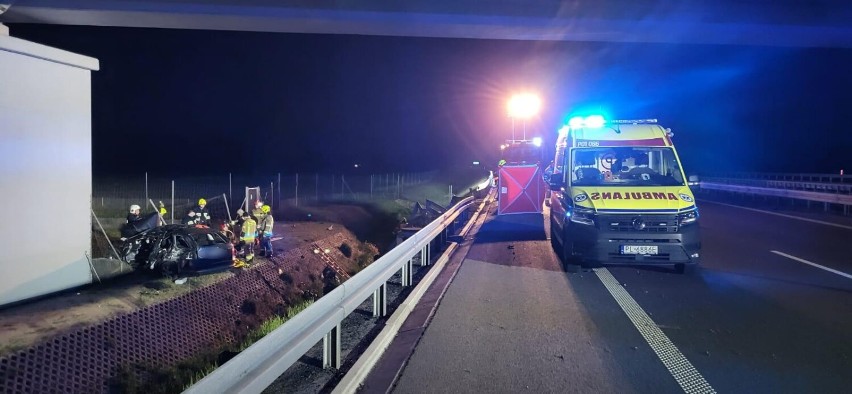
(272, 191)
(173, 201)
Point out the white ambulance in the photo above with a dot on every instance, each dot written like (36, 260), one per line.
(619, 196)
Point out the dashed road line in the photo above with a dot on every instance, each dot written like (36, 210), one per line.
(689, 379)
(801, 260)
(780, 214)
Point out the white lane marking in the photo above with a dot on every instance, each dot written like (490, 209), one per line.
(812, 264)
(689, 379)
(780, 214)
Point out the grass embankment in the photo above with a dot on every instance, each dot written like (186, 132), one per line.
(183, 375)
(371, 221)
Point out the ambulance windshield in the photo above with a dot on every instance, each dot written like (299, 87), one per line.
(625, 166)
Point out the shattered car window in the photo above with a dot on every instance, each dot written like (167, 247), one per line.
(183, 243)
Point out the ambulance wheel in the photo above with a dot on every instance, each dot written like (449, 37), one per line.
(686, 269)
(591, 264)
(569, 262)
(554, 243)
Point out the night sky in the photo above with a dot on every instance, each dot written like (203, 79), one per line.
(203, 102)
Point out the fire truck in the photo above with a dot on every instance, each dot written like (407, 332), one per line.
(619, 196)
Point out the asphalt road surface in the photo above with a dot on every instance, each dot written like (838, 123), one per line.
(769, 312)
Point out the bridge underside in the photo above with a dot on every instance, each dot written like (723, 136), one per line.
(752, 22)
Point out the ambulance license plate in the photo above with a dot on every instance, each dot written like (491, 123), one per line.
(639, 249)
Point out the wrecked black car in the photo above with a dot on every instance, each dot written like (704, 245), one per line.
(177, 249)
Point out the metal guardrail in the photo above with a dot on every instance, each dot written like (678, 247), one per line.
(832, 198)
(823, 187)
(801, 177)
(257, 367)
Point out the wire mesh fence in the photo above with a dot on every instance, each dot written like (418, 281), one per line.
(112, 197)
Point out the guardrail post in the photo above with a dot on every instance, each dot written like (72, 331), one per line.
(380, 304)
(428, 253)
(407, 273)
(423, 256)
(331, 348)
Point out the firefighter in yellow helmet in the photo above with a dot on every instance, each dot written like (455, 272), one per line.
(247, 236)
(264, 230)
(202, 215)
(163, 210)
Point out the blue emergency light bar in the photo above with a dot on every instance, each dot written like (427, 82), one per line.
(597, 121)
(633, 121)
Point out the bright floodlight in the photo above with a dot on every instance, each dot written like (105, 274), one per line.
(524, 106)
(594, 121)
(537, 141)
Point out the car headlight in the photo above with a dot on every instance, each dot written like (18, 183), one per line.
(581, 215)
(687, 217)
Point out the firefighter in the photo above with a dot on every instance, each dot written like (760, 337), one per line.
(163, 210)
(264, 230)
(191, 218)
(201, 213)
(135, 213)
(257, 212)
(247, 236)
(236, 225)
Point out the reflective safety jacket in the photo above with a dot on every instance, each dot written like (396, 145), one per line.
(202, 215)
(249, 231)
(258, 214)
(266, 224)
